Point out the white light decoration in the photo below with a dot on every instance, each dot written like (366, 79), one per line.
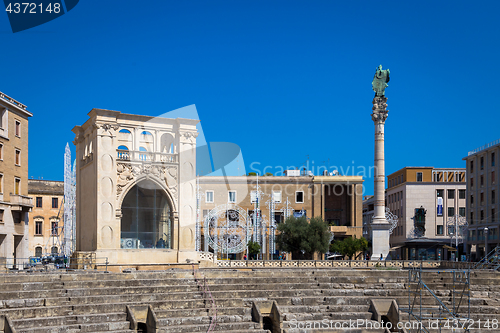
(457, 227)
(69, 230)
(392, 219)
(227, 229)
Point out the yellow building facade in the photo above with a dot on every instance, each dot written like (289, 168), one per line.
(14, 201)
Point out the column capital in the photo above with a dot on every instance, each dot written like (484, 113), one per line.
(379, 108)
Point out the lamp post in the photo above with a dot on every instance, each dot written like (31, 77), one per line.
(485, 241)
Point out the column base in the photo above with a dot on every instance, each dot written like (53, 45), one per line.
(380, 239)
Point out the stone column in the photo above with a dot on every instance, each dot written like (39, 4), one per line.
(380, 226)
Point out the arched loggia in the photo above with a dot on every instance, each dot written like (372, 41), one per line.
(146, 221)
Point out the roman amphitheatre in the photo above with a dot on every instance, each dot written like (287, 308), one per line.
(254, 296)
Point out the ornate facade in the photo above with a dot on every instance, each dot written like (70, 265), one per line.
(136, 188)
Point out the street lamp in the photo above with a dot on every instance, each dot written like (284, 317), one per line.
(485, 241)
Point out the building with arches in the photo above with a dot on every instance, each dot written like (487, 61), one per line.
(135, 188)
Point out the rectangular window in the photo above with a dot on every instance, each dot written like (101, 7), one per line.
(209, 196)
(419, 176)
(277, 196)
(1, 151)
(38, 202)
(18, 129)
(493, 177)
(17, 217)
(451, 211)
(482, 198)
(471, 182)
(253, 196)
(461, 194)
(278, 218)
(205, 213)
(482, 215)
(493, 215)
(439, 229)
(471, 166)
(299, 197)
(18, 157)
(481, 180)
(231, 196)
(38, 227)
(492, 159)
(493, 197)
(471, 218)
(451, 194)
(471, 199)
(440, 193)
(55, 202)
(461, 211)
(1, 215)
(53, 227)
(481, 164)
(17, 186)
(1, 183)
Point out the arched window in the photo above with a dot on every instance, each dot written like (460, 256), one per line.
(167, 143)
(123, 130)
(38, 251)
(145, 221)
(146, 133)
(54, 250)
(122, 148)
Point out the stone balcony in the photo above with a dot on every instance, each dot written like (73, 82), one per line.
(146, 156)
(20, 202)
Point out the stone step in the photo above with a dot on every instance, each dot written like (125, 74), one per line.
(36, 312)
(204, 320)
(229, 311)
(145, 298)
(130, 290)
(326, 325)
(232, 326)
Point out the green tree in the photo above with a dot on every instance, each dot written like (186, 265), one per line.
(268, 174)
(303, 238)
(253, 248)
(349, 246)
(252, 174)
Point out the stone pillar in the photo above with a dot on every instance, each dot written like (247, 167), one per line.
(380, 226)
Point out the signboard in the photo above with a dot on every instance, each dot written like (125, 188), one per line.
(440, 206)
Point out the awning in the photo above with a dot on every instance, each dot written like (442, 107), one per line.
(395, 247)
(449, 248)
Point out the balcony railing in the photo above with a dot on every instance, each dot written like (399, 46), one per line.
(13, 101)
(146, 156)
(21, 200)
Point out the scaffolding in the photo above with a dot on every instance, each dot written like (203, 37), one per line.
(490, 261)
(455, 316)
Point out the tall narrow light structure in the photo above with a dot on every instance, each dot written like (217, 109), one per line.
(380, 227)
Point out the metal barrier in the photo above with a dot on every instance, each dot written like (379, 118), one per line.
(51, 263)
(442, 316)
(490, 261)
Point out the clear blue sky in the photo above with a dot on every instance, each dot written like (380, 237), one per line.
(282, 79)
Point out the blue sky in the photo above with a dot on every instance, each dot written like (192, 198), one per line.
(284, 80)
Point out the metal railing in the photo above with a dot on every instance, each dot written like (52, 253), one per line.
(51, 263)
(490, 261)
(486, 146)
(442, 315)
(206, 292)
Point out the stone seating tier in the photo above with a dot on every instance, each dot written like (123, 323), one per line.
(96, 302)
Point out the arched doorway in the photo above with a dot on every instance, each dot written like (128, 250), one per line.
(146, 218)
